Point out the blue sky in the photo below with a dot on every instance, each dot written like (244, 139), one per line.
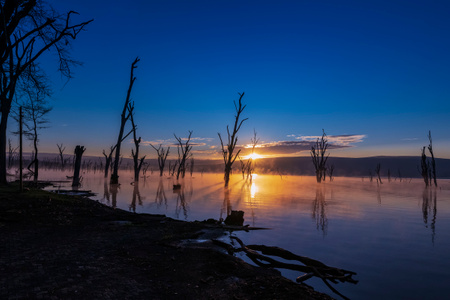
(373, 74)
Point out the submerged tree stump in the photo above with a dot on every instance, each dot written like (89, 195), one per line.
(79, 150)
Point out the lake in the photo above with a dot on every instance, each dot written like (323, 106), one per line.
(395, 235)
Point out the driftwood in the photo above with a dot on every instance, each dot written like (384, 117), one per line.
(310, 267)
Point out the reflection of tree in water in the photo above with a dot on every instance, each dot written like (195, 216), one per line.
(226, 207)
(136, 195)
(106, 194)
(319, 210)
(429, 207)
(114, 189)
(160, 195)
(378, 194)
(181, 202)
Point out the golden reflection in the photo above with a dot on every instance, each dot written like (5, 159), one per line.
(253, 190)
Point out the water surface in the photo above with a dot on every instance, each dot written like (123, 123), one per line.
(395, 235)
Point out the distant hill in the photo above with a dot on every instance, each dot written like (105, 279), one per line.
(399, 166)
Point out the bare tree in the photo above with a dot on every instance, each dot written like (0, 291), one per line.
(137, 162)
(28, 29)
(319, 157)
(433, 162)
(61, 154)
(228, 151)
(162, 156)
(184, 153)
(330, 171)
(123, 121)
(249, 166)
(378, 171)
(79, 150)
(425, 168)
(12, 152)
(35, 110)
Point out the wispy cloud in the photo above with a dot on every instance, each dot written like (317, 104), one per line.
(336, 140)
(304, 143)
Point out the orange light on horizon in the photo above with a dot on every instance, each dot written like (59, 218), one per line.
(253, 156)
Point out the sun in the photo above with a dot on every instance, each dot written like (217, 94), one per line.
(253, 156)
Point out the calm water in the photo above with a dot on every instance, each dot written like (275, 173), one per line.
(396, 236)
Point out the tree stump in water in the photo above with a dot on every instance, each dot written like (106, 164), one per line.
(236, 218)
(79, 150)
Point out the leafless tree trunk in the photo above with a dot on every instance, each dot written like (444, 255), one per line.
(378, 171)
(12, 152)
(184, 154)
(79, 150)
(123, 120)
(228, 151)
(108, 159)
(330, 171)
(137, 162)
(61, 155)
(28, 30)
(34, 111)
(425, 168)
(319, 157)
(162, 156)
(433, 162)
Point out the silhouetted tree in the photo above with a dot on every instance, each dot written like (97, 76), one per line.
(28, 29)
(11, 153)
(378, 171)
(228, 154)
(330, 171)
(61, 154)
(319, 157)
(433, 162)
(425, 168)
(79, 150)
(35, 110)
(123, 120)
(184, 153)
(137, 162)
(162, 156)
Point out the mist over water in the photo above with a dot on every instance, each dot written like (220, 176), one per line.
(395, 235)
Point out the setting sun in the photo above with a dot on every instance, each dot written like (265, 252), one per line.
(253, 156)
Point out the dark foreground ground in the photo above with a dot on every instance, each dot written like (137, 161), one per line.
(61, 247)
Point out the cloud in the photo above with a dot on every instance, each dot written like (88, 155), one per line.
(336, 140)
(304, 143)
(410, 139)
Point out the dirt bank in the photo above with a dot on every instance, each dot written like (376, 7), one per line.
(65, 247)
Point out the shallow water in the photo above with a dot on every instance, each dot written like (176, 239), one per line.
(396, 235)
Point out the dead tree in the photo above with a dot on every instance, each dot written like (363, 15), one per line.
(137, 162)
(79, 150)
(330, 171)
(12, 152)
(433, 162)
(228, 151)
(123, 121)
(162, 156)
(425, 168)
(35, 111)
(61, 154)
(250, 164)
(184, 153)
(29, 29)
(378, 171)
(319, 157)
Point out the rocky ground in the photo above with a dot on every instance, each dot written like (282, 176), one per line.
(66, 247)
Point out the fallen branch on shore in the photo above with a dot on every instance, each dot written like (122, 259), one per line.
(310, 267)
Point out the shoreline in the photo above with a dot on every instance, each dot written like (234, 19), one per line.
(58, 246)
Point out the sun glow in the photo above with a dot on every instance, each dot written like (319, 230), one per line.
(253, 156)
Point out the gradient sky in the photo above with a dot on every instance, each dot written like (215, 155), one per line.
(375, 75)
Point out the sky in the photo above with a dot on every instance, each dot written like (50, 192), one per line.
(374, 75)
